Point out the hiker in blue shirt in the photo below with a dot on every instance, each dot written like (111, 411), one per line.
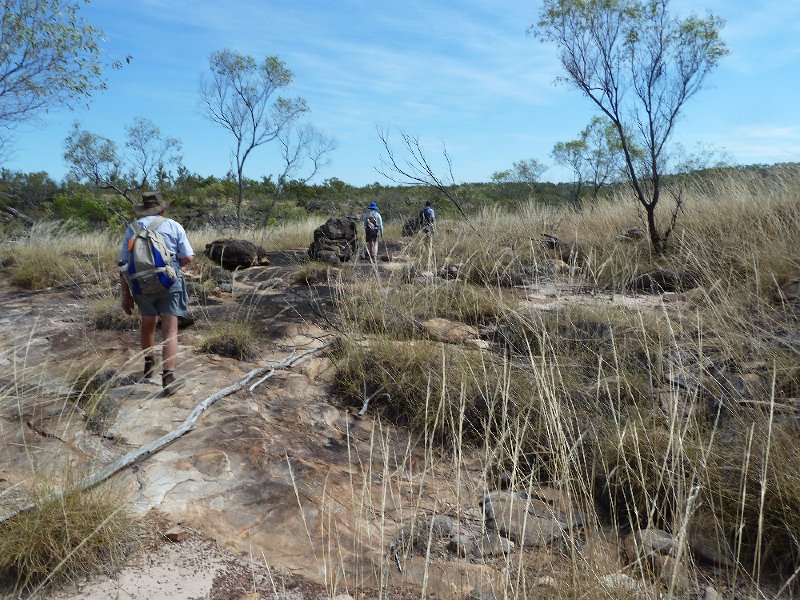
(169, 304)
(428, 218)
(373, 227)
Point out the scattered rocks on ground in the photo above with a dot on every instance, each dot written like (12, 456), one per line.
(236, 254)
(335, 241)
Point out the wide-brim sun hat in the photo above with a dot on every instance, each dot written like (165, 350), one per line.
(152, 204)
(373, 206)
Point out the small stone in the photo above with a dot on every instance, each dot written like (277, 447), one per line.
(461, 545)
(442, 525)
(670, 570)
(479, 594)
(620, 581)
(711, 594)
(477, 343)
(176, 534)
(546, 581)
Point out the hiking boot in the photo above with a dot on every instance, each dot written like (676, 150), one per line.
(149, 367)
(169, 383)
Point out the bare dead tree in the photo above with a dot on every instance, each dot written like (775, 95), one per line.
(415, 169)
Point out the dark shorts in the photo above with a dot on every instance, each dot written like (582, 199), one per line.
(174, 301)
(371, 234)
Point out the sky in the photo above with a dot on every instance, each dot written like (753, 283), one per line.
(462, 75)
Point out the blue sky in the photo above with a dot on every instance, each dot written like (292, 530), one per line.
(460, 73)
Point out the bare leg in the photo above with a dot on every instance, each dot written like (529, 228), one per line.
(169, 331)
(148, 333)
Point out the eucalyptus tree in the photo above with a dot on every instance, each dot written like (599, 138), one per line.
(49, 56)
(639, 65)
(241, 95)
(98, 160)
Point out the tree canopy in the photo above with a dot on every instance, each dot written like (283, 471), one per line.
(240, 95)
(48, 56)
(639, 65)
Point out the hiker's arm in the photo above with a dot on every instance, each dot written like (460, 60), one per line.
(125, 293)
(185, 261)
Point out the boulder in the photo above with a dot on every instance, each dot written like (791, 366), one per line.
(448, 331)
(530, 522)
(569, 253)
(412, 225)
(334, 241)
(788, 290)
(236, 254)
(661, 280)
(633, 234)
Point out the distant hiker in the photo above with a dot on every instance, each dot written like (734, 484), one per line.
(427, 218)
(373, 227)
(154, 250)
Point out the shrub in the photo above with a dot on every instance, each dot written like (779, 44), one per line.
(65, 536)
(106, 313)
(231, 338)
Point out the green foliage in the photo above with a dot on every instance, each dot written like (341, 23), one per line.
(638, 64)
(240, 97)
(84, 210)
(49, 56)
(96, 160)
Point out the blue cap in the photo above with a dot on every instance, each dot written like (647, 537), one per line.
(373, 206)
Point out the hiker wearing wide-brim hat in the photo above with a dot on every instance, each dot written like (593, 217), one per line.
(152, 254)
(373, 227)
(152, 204)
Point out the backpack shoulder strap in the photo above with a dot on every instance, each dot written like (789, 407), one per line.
(155, 223)
(135, 227)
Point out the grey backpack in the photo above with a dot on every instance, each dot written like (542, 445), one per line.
(150, 269)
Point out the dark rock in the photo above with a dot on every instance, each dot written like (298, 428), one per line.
(412, 224)
(233, 254)
(569, 253)
(450, 271)
(462, 545)
(661, 280)
(334, 241)
(633, 234)
(220, 276)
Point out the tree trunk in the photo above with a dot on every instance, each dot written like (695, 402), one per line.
(239, 200)
(655, 238)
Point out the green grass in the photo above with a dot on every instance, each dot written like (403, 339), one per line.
(231, 338)
(65, 536)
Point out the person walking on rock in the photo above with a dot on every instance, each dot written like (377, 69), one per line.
(373, 228)
(152, 254)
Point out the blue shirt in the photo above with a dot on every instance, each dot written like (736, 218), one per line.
(172, 232)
